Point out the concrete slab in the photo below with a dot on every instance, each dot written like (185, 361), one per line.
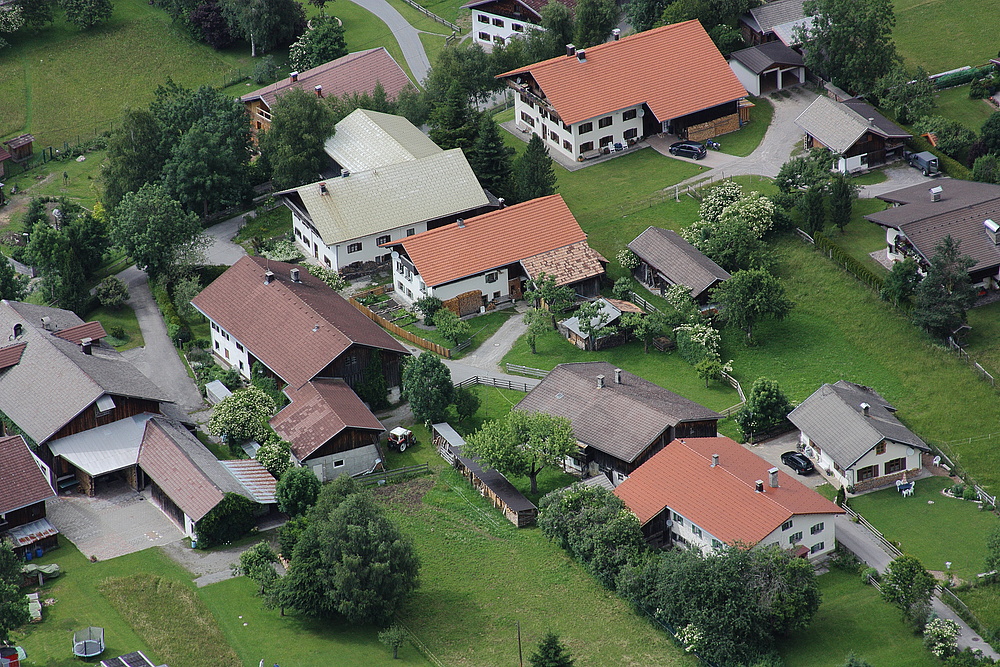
(712, 160)
(771, 451)
(118, 522)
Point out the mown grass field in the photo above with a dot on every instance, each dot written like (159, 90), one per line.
(954, 103)
(123, 317)
(853, 617)
(941, 35)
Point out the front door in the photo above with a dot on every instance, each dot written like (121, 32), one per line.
(515, 289)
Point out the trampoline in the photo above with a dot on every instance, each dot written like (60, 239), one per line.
(88, 642)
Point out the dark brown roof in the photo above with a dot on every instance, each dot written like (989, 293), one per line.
(318, 412)
(4, 155)
(11, 355)
(17, 142)
(534, 5)
(22, 481)
(720, 500)
(679, 261)
(618, 419)
(885, 126)
(295, 329)
(763, 57)
(357, 72)
(499, 485)
(184, 469)
(961, 212)
(93, 330)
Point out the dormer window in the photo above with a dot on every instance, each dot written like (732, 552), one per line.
(104, 405)
(18, 331)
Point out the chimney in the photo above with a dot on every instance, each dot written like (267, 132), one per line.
(865, 409)
(345, 173)
(322, 189)
(871, 122)
(501, 200)
(570, 50)
(461, 223)
(268, 276)
(993, 231)
(616, 33)
(295, 275)
(772, 475)
(581, 55)
(759, 486)
(319, 91)
(936, 193)
(47, 323)
(715, 460)
(618, 376)
(294, 76)
(86, 345)
(600, 382)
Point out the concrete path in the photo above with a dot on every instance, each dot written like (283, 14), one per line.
(221, 249)
(899, 176)
(862, 544)
(210, 567)
(158, 359)
(407, 36)
(489, 355)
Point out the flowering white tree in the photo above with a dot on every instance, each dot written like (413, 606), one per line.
(243, 416)
(941, 637)
(717, 199)
(755, 209)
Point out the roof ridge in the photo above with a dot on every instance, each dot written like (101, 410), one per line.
(305, 304)
(182, 450)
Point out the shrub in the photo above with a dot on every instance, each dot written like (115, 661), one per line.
(941, 637)
(622, 289)
(970, 493)
(333, 279)
(228, 521)
(112, 293)
(428, 306)
(627, 259)
(869, 572)
(283, 251)
(841, 497)
(957, 490)
(265, 72)
(953, 138)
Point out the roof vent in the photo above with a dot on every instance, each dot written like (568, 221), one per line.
(47, 323)
(865, 409)
(715, 460)
(600, 382)
(772, 475)
(294, 273)
(759, 486)
(268, 277)
(86, 345)
(618, 376)
(322, 189)
(345, 173)
(461, 223)
(570, 49)
(991, 230)
(616, 33)
(294, 76)
(319, 91)
(501, 200)
(936, 193)
(871, 122)
(581, 55)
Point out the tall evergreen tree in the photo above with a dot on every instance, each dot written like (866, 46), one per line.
(490, 158)
(813, 206)
(551, 653)
(842, 196)
(12, 285)
(946, 292)
(453, 122)
(534, 175)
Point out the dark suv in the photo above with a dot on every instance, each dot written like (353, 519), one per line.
(798, 462)
(691, 149)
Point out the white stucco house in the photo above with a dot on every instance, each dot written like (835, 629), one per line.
(394, 182)
(706, 493)
(496, 21)
(851, 432)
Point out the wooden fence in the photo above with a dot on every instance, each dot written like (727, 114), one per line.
(382, 476)
(432, 15)
(526, 370)
(397, 330)
(494, 382)
(960, 351)
(886, 545)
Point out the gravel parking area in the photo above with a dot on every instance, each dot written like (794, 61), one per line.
(771, 451)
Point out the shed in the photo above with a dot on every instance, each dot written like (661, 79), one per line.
(21, 148)
(767, 67)
(610, 316)
(666, 259)
(215, 391)
(491, 484)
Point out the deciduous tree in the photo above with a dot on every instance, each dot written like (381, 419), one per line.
(13, 286)
(990, 133)
(901, 282)
(523, 443)
(647, 326)
(275, 455)
(644, 14)
(908, 95)
(265, 23)
(427, 386)
(593, 321)
(242, 416)
(953, 138)
(297, 491)
(86, 14)
(907, 585)
(207, 19)
(257, 564)
(766, 407)
(538, 322)
(135, 156)
(544, 292)
(322, 42)
(394, 637)
(594, 20)
(534, 175)
(293, 147)
(13, 603)
(749, 297)
(451, 326)
(946, 293)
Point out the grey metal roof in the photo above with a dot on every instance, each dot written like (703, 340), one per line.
(771, 14)
(608, 310)
(106, 448)
(788, 33)
(760, 58)
(832, 417)
(395, 195)
(445, 430)
(54, 381)
(369, 139)
(838, 125)
(676, 260)
(618, 419)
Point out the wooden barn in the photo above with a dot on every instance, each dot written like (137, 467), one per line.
(24, 488)
(491, 484)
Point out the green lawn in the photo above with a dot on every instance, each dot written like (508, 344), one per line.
(272, 224)
(954, 103)
(122, 317)
(959, 533)
(861, 237)
(871, 178)
(745, 141)
(481, 576)
(80, 187)
(985, 604)
(363, 30)
(853, 617)
(481, 327)
(968, 39)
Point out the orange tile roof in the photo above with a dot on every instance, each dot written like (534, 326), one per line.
(568, 264)
(492, 240)
(11, 355)
(676, 70)
(720, 500)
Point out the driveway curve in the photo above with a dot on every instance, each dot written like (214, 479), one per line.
(407, 36)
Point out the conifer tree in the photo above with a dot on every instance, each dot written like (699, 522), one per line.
(453, 122)
(490, 158)
(533, 173)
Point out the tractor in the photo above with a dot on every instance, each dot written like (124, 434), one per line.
(401, 438)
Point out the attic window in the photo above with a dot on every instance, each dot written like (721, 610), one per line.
(104, 405)
(17, 332)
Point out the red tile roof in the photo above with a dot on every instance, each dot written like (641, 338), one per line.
(720, 500)
(4, 155)
(92, 330)
(295, 329)
(354, 73)
(492, 240)
(568, 265)
(534, 5)
(22, 482)
(676, 70)
(318, 412)
(11, 355)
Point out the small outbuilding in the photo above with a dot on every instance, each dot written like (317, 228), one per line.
(768, 67)
(857, 135)
(666, 259)
(21, 148)
(606, 330)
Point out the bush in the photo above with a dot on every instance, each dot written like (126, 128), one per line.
(228, 521)
(953, 138)
(869, 572)
(427, 306)
(628, 259)
(970, 493)
(622, 289)
(841, 497)
(941, 637)
(112, 293)
(957, 490)
(283, 251)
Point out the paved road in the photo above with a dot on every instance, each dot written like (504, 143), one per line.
(221, 249)
(158, 359)
(489, 355)
(407, 36)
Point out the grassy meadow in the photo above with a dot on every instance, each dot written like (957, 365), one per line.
(940, 35)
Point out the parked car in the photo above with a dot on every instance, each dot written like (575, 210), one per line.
(925, 161)
(691, 149)
(798, 462)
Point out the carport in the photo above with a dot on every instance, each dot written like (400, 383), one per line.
(100, 454)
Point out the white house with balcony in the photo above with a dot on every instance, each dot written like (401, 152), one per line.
(496, 21)
(670, 80)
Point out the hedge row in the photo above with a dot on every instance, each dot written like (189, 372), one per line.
(853, 266)
(176, 329)
(949, 166)
(963, 77)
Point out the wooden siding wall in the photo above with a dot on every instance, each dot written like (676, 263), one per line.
(870, 143)
(346, 440)
(508, 8)
(124, 407)
(23, 516)
(351, 365)
(700, 429)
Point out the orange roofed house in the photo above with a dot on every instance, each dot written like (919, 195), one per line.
(704, 493)
(671, 79)
(491, 256)
(358, 72)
